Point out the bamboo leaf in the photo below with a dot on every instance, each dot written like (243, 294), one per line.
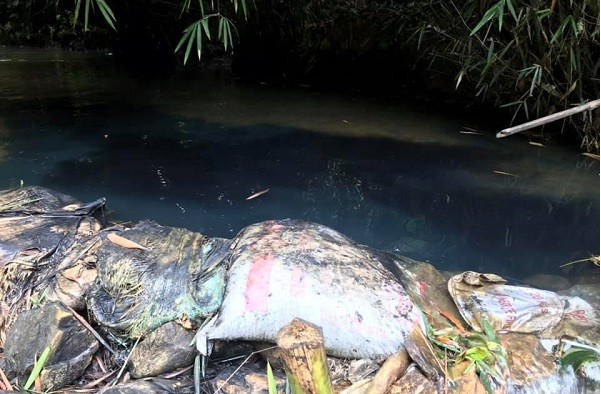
(189, 46)
(76, 13)
(492, 11)
(198, 40)
(244, 9)
(107, 13)
(205, 25)
(86, 14)
(512, 10)
(187, 32)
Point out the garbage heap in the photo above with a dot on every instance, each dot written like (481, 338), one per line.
(86, 304)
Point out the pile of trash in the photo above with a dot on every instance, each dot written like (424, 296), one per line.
(146, 308)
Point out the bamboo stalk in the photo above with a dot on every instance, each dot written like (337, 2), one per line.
(304, 358)
(548, 119)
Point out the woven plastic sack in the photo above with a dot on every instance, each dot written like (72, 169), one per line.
(522, 309)
(284, 269)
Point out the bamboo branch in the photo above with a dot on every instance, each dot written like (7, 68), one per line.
(548, 119)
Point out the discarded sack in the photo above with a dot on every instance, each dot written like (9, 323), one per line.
(284, 269)
(523, 309)
(151, 274)
(42, 232)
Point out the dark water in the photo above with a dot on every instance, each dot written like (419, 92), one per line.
(188, 152)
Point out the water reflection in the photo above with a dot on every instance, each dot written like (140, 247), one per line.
(381, 171)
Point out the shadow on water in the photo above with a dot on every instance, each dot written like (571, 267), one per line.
(431, 195)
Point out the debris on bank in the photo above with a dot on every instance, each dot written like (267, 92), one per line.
(155, 309)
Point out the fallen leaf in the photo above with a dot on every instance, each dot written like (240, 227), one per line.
(506, 173)
(453, 320)
(257, 194)
(124, 242)
(591, 155)
(71, 208)
(345, 121)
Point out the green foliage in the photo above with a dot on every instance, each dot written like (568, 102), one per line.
(37, 368)
(201, 29)
(578, 358)
(534, 57)
(271, 380)
(483, 351)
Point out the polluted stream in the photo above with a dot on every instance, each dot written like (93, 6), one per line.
(215, 155)
(390, 174)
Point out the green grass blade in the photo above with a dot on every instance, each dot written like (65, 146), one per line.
(271, 380)
(37, 368)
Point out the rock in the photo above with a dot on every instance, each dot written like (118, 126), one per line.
(249, 379)
(413, 381)
(548, 282)
(164, 350)
(71, 346)
(150, 386)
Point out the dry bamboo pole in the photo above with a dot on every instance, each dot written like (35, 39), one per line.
(548, 119)
(392, 369)
(304, 358)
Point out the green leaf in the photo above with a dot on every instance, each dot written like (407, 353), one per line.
(107, 13)
(205, 25)
(198, 40)
(86, 14)
(577, 357)
(512, 10)
(187, 32)
(492, 11)
(76, 13)
(189, 46)
(37, 368)
(271, 380)
(244, 9)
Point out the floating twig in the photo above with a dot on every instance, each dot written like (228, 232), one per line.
(506, 173)
(257, 194)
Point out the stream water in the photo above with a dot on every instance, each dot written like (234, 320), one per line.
(187, 151)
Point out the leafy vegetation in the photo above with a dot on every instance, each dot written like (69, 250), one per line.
(535, 57)
(483, 351)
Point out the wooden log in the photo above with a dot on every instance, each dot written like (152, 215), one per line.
(304, 358)
(392, 369)
(548, 119)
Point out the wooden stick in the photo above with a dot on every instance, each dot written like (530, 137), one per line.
(548, 119)
(304, 358)
(392, 369)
